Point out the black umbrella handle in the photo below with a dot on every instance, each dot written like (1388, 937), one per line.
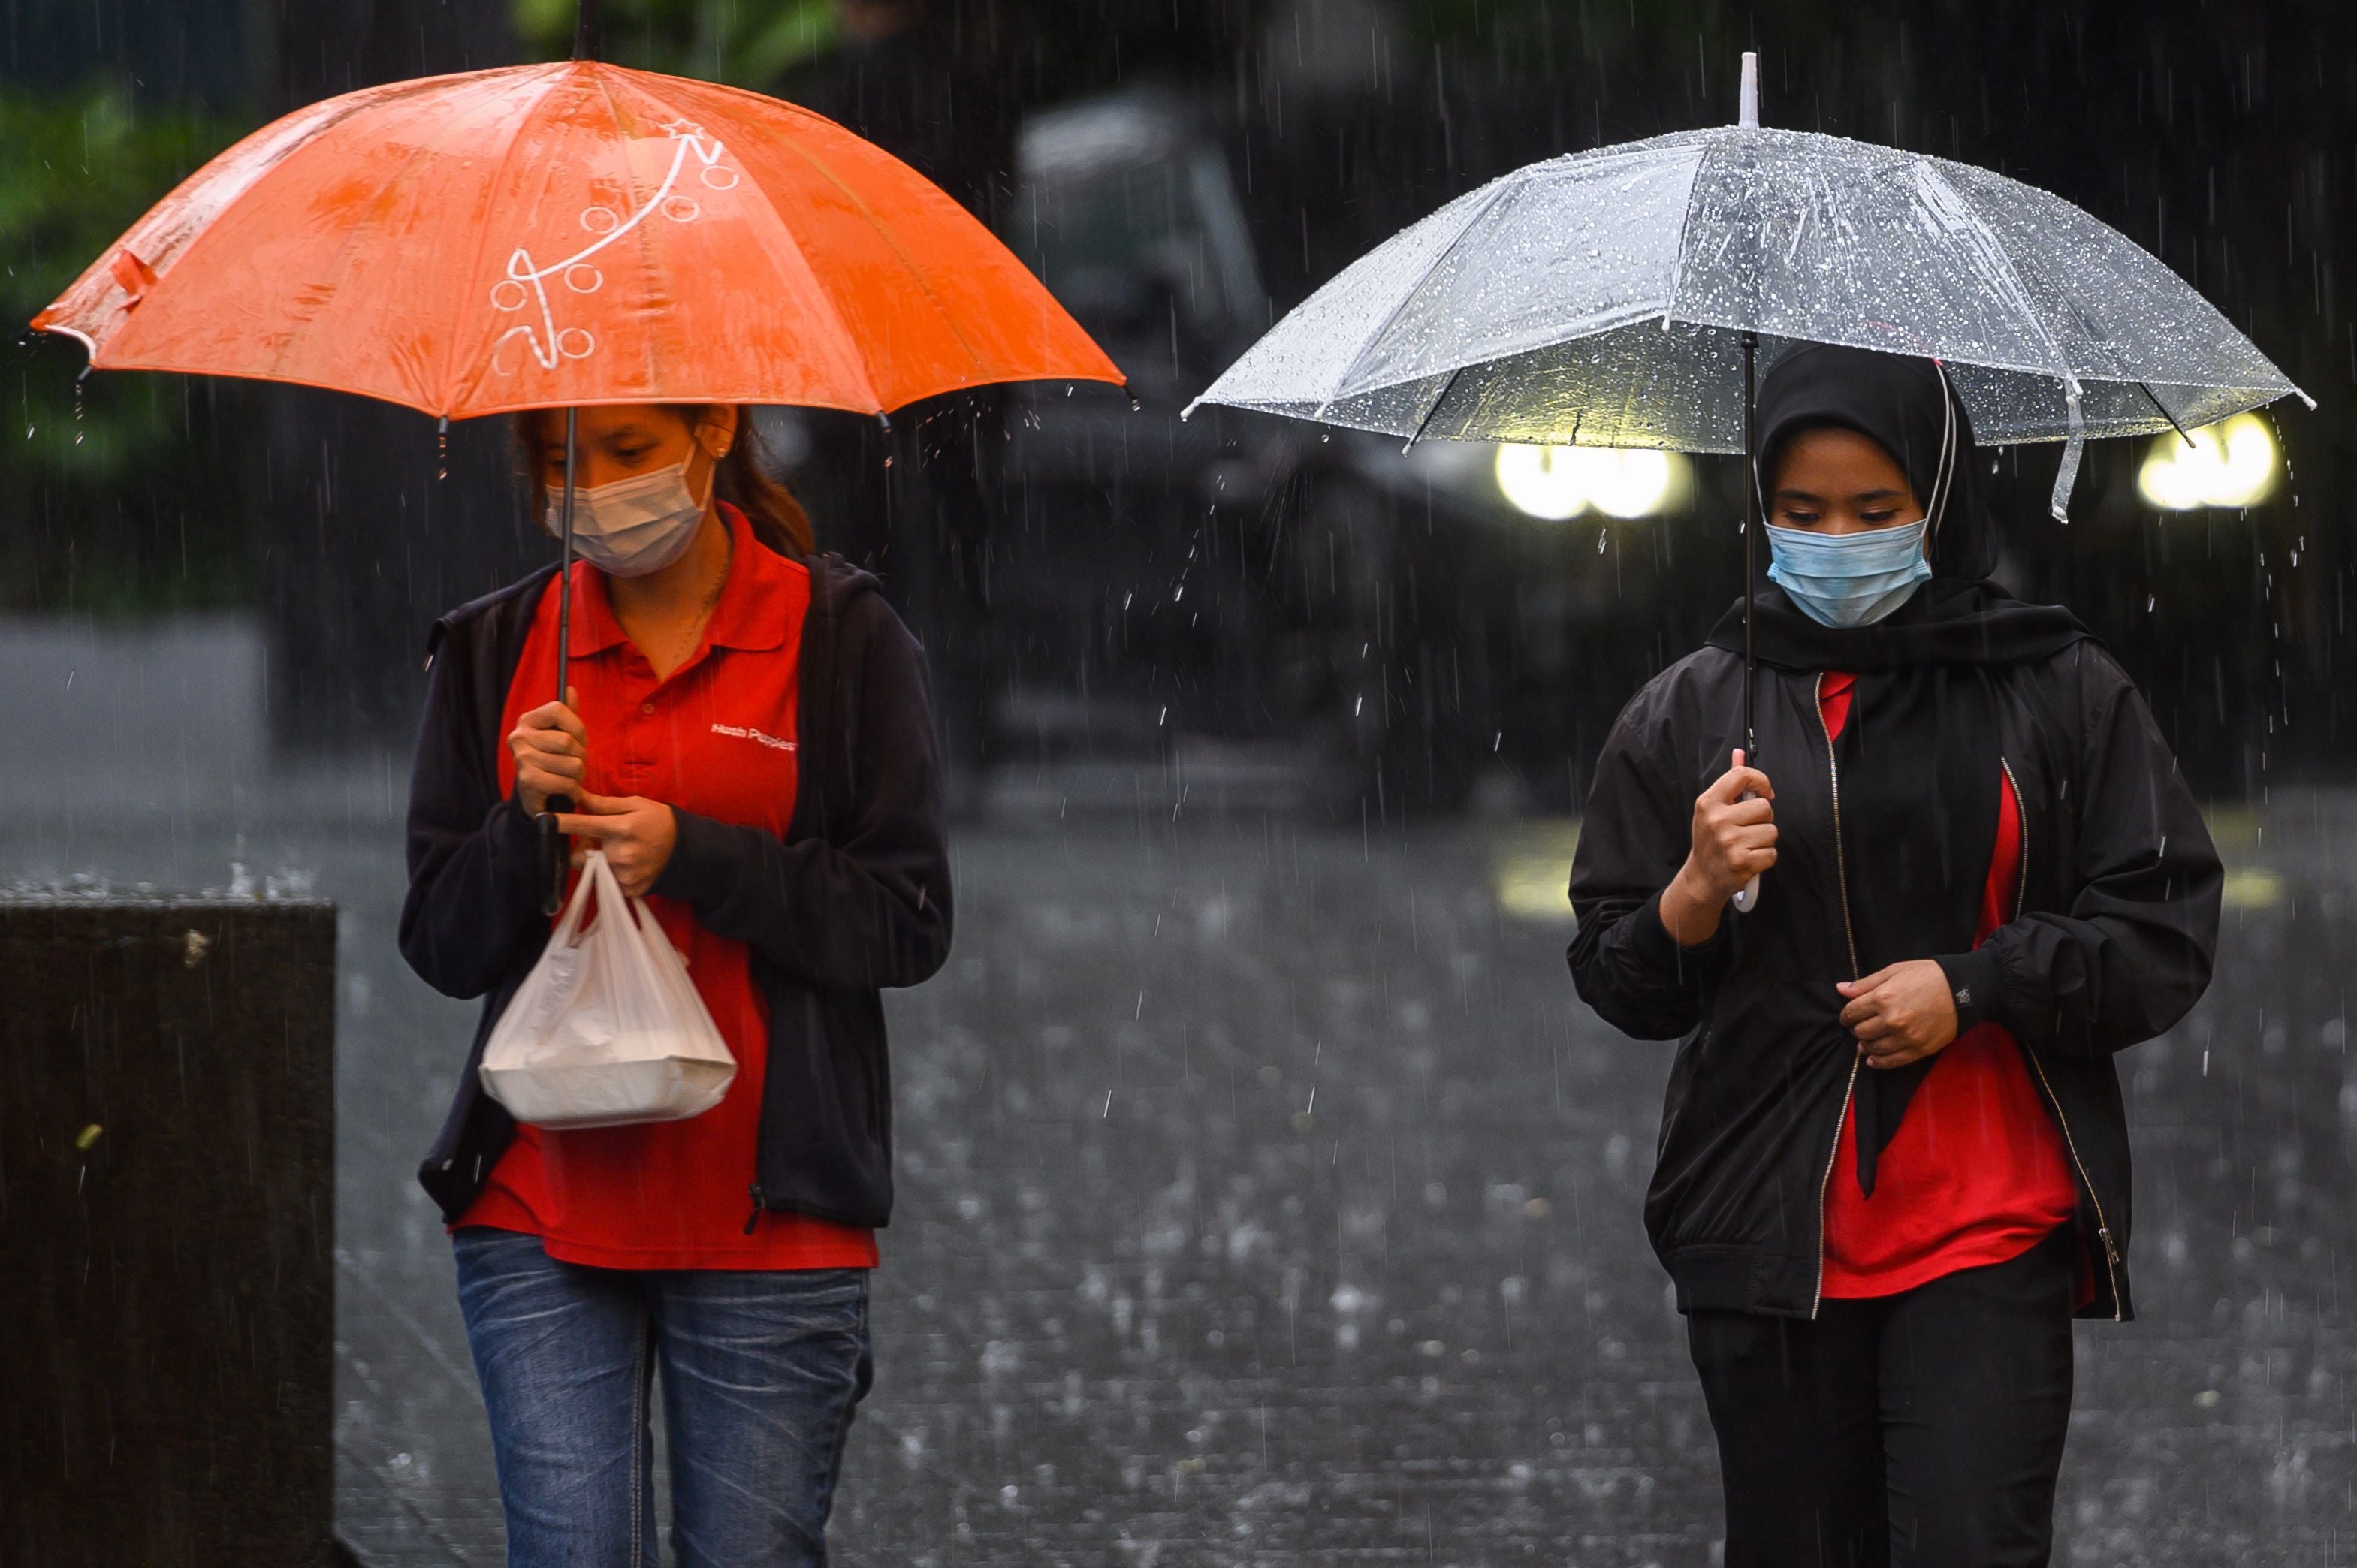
(555, 859)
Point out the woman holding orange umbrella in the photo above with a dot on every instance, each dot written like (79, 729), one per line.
(751, 744)
(624, 260)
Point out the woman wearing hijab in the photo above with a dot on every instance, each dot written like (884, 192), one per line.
(1893, 1160)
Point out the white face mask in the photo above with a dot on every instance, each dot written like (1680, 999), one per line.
(631, 527)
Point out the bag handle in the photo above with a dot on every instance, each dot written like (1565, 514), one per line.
(638, 921)
(597, 868)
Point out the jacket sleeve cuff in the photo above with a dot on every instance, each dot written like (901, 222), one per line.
(1651, 941)
(701, 858)
(514, 832)
(1974, 979)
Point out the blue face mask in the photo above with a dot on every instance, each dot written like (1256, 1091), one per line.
(1849, 579)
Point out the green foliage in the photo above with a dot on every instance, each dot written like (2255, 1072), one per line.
(79, 170)
(112, 468)
(746, 43)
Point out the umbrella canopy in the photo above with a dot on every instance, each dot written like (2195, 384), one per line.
(554, 235)
(1627, 296)
(569, 234)
(1602, 298)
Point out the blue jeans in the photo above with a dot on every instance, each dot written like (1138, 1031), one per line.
(761, 1371)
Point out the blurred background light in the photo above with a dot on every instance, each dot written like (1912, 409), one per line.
(1559, 482)
(2230, 464)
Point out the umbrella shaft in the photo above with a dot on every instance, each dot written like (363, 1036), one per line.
(553, 856)
(565, 558)
(1751, 522)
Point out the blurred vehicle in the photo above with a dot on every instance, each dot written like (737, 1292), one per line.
(1268, 604)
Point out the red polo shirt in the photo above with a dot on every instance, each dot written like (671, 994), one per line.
(718, 738)
(1976, 1173)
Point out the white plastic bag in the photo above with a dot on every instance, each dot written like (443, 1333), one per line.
(606, 1029)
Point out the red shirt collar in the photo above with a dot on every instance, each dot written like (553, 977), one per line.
(752, 614)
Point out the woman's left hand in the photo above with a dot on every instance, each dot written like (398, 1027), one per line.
(1901, 1014)
(636, 833)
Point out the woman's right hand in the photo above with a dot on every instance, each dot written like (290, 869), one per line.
(1734, 840)
(550, 750)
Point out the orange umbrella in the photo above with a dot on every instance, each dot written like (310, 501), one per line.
(548, 235)
(552, 235)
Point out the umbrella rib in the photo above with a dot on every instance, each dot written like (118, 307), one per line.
(1425, 422)
(1995, 246)
(646, 262)
(826, 301)
(1686, 222)
(2155, 399)
(482, 245)
(1497, 194)
(167, 231)
(345, 246)
(924, 286)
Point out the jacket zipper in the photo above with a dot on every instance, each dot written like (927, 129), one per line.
(1849, 934)
(2102, 1228)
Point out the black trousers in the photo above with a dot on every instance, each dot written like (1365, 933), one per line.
(1916, 1430)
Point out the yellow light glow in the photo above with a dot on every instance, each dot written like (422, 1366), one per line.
(1559, 482)
(2231, 464)
(1540, 481)
(1530, 863)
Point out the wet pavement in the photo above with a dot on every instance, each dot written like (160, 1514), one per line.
(1267, 1195)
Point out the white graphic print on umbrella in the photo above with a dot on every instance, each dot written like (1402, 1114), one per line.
(526, 283)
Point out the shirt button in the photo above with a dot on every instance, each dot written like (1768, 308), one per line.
(646, 707)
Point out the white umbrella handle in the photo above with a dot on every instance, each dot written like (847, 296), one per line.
(1747, 895)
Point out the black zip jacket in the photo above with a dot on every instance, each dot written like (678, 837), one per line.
(854, 897)
(2110, 942)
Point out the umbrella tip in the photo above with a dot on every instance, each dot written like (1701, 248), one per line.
(584, 30)
(1750, 105)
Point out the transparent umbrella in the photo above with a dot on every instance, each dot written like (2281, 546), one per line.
(1608, 298)
(1628, 296)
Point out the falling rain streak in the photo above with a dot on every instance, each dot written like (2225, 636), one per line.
(1279, 730)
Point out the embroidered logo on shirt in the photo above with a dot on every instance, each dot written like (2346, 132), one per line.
(745, 732)
(1964, 996)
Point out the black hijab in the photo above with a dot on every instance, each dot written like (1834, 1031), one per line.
(1919, 758)
(1905, 404)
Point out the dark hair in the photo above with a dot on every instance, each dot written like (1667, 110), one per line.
(741, 479)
